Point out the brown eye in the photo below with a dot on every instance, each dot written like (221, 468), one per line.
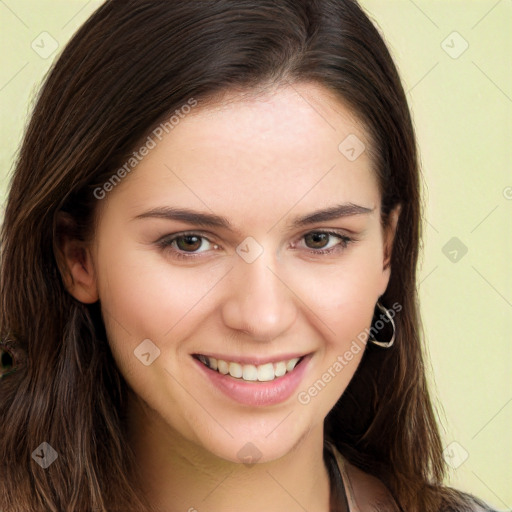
(317, 240)
(189, 243)
(186, 245)
(326, 242)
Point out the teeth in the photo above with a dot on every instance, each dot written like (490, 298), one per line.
(266, 372)
(222, 367)
(249, 372)
(280, 369)
(235, 370)
(204, 360)
(290, 365)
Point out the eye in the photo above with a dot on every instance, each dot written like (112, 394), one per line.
(186, 244)
(317, 240)
(325, 242)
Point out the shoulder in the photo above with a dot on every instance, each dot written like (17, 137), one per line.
(365, 493)
(368, 493)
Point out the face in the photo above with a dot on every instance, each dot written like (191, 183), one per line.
(245, 240)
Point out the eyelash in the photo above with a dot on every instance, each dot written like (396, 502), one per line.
(166, 243)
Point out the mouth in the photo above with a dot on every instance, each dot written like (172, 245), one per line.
(265, 372)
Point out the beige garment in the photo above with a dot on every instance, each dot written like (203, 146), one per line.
(364, 492)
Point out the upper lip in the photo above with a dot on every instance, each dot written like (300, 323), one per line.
(254, 360)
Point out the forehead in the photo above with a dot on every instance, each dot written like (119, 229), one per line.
(255, 153)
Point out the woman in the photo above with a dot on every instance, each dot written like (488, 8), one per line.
(208, 280)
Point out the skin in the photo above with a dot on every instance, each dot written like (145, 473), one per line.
(260, 162)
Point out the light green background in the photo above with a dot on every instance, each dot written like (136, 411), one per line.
(463, 115)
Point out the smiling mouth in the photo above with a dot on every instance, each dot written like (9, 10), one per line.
(248, 372)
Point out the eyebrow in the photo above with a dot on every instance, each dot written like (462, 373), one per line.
(216, 221)
(333, 213)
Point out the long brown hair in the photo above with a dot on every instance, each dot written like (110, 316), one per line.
(130, 65)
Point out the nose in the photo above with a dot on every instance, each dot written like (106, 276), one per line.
(258, 302)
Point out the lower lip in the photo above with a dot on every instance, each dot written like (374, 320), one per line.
(257, 393)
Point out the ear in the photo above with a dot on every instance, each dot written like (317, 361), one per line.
(75, 262)
(388, 238)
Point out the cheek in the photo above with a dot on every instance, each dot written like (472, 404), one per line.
(145, 296)
(341, 299)
(343, 295)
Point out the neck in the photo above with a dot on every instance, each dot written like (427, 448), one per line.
(179, 475)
